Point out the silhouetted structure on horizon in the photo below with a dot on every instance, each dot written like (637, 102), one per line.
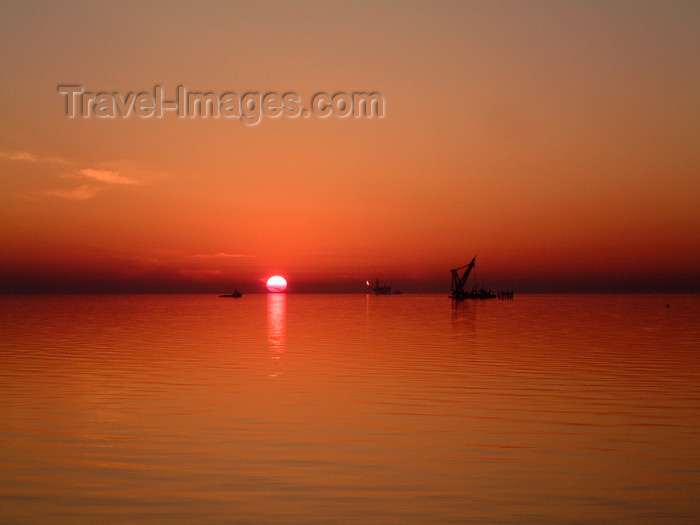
(236, 294)
(458, 282)
(382, 290)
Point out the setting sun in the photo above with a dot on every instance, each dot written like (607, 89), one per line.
(276, 284)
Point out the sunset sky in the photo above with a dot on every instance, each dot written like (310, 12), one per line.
(557, 141)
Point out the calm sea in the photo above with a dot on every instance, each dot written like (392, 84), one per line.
(349, 409)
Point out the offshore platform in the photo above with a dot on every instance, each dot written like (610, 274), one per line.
(382, 290)
(459, 281)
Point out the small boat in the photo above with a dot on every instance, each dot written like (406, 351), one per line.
(236, 294)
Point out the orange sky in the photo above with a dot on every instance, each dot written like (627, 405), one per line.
(558, 141)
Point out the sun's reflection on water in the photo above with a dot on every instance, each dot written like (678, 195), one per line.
(276, 328)
(492, 408)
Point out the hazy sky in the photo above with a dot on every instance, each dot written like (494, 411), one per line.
(558, 141)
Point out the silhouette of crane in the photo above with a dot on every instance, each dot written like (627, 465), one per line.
(459, 282)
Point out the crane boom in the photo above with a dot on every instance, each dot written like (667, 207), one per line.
(458, 281)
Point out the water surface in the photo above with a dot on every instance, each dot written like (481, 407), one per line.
(349, 409)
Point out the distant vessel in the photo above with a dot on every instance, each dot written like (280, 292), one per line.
(458, 282)
(236, 294)
(481, 293)
(381, 290)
